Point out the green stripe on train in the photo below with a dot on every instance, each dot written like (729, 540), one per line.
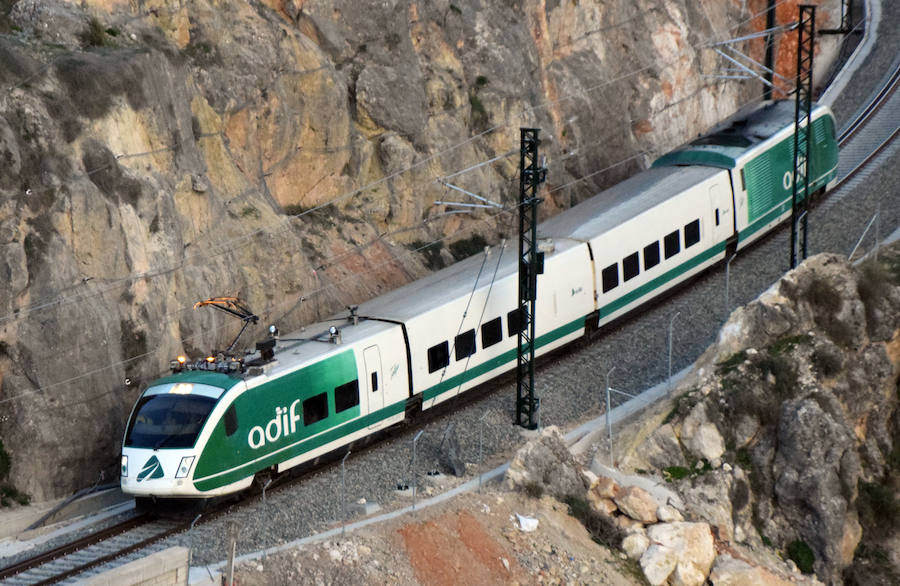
(270, 422)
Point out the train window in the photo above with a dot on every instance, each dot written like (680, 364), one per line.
(346, 396)
(231, 422)
(743, 181)
(491, 333)
(651, 255)
(692, 233)
(631, 266)
(610, 277)
(438, 357)
(374, 382)
(672, 244)
(315, 409)
(717, 216)
(515, 322)
(465, 344)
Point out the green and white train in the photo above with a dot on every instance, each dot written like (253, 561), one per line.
(210, 430)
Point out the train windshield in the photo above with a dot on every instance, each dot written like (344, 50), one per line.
(168, 420)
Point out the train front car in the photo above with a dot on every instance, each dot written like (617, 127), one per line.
(166, 432)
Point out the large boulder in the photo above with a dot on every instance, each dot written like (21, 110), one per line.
(637, 503)
(685, 550)
(546, 462)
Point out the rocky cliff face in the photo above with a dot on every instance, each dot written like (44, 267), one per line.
(787, 435)
(160, 152)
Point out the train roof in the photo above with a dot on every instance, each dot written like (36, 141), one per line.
(567, 229)
(636, 195)
(448, 284)
(728, 141)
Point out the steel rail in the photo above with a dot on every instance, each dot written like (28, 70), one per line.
(874, 105)
(74, 546)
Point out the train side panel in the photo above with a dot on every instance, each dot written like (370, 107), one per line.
(763, 178)
(298, 416)
(663, 246)
(473, 338)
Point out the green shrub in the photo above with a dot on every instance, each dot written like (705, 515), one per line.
(4, 462)
(676, 473)
(95, 35)
(732, 362)
(878, 507)
(534, 490)
(802, 555)
(432, 253)
(784, 373)
(828, 361)
(788, 343)
(468, 247)
(602, 528)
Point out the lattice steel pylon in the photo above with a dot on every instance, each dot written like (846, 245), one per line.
(531, 175)
(806, 33)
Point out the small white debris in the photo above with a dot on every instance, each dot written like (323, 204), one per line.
(505, 563)
(526, 523)
(726, 467)
(259, 567)
(361, 501)
(485, 509)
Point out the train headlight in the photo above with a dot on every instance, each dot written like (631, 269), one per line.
(124, 465)
(184, 467)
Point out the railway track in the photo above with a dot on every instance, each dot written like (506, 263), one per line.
(879, 118)
(113, 544)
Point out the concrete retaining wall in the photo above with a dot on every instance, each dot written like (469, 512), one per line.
(164, 568)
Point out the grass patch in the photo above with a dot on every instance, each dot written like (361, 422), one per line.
(732, 362)
(250, 212)
(674, 473)
(683, 405)
(788, 343)
(802, 555)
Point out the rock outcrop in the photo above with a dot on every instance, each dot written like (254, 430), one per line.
(789, 416)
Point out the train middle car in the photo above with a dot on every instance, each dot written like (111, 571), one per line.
(200, 433)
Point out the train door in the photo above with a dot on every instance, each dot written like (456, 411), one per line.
(374, 383)
(722, 225)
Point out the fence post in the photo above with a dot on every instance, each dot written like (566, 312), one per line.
(481, 449)
(728, 284)
(608, 420)
(343, 496)
(671, 325)
(414, 475)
